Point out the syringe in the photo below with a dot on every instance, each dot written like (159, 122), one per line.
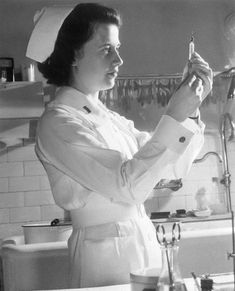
(191, 47)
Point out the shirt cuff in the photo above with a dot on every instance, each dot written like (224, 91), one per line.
(195, 127)
(174, 135)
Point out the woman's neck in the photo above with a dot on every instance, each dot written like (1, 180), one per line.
(91, 95)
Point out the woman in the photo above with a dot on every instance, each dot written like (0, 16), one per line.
(99, 166)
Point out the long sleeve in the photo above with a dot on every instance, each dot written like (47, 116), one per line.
(70, 145)
(181, 167)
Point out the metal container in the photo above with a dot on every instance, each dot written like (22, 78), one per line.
(145, 279)
(42, 232)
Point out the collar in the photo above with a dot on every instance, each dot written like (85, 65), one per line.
(74, 98)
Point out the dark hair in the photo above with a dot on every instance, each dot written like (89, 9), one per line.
(77, 28)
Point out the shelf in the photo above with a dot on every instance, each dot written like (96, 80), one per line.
(21, 100)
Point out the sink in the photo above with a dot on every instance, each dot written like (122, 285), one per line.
(43, 232)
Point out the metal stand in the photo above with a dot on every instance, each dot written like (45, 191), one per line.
(227, 180)
(232, 255)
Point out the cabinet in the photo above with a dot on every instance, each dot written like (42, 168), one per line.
(20, 103)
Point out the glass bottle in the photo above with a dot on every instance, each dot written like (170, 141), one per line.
(170, 278)
(3, 78)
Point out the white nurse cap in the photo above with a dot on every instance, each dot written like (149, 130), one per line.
(47, 24)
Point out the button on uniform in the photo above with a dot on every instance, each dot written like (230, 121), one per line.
(182, 139)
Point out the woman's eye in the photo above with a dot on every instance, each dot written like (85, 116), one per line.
(107, 50)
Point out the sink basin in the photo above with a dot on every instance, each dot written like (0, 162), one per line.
(45, 232)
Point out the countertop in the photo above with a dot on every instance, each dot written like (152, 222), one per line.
(126, 287)
(222, 282)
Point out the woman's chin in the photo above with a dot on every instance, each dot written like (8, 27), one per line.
(109, 84)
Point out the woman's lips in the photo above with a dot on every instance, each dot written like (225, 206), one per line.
(112, 74)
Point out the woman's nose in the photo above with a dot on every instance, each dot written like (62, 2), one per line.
(118, 60)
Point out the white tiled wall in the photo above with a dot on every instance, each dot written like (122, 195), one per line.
(203, 178)
(25, 194)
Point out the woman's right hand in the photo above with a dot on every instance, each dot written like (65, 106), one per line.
(194, 88)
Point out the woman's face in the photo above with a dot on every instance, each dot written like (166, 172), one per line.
(98, 67)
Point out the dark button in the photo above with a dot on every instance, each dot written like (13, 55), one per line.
(87, 109)
(182, 139)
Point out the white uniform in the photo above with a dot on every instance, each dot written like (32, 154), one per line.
(102, 169)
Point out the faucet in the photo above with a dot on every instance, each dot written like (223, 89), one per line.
(206, 155)
(226, 181)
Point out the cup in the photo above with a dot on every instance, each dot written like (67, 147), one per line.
(31, 73)
(144, 279)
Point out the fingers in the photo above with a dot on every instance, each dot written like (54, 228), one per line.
(197, 62)
(202, 70)
(197, 58)
(206, 76)
(186, 99)
(196, 85)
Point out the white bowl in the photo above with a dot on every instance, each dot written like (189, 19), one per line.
(43, 232)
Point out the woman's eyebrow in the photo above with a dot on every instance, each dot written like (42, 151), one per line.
(109, 44)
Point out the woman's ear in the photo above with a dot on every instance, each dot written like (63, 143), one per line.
(78, 54)
(75, 60)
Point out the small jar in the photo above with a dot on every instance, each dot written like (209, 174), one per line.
(206, 284)
(145, 279)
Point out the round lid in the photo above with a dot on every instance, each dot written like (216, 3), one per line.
(37, 224)
(59, 222)
(149, 276)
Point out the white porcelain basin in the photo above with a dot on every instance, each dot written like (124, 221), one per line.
(45, 232)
